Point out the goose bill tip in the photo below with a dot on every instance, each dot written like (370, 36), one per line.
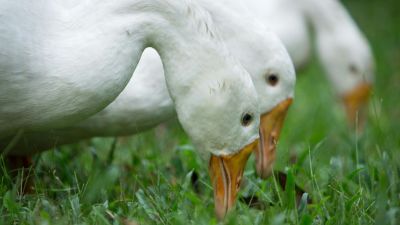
(226, 174)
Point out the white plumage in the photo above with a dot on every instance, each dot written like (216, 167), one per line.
(64, 62)
(145, 101)
(342, 49)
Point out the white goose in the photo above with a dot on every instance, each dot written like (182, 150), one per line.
(145, 101)
(64, 61)
(342, 48)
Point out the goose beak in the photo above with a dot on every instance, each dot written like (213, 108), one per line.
(226, 174)
(270, 128)
(355, 103)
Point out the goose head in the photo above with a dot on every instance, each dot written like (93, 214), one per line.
(345, 55)
(274, 77)
(221, 116)
(264, 56)
(349, 64)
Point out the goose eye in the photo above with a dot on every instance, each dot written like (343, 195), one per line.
(247, 118)
(272, 79)
(353, 68)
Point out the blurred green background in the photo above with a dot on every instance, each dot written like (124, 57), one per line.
(351, 178)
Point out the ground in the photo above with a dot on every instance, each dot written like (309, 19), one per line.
(352, 178)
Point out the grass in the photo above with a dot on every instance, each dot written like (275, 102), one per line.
(352, 178)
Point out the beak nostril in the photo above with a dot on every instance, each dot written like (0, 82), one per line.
(238, 181)
(272, 143)
(272, 140)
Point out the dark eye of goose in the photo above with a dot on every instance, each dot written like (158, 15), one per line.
(247, 118)
(353, 68)
(272, 79)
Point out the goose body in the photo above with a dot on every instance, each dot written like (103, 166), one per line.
(144, 103)
(65, 61)
(342, 49)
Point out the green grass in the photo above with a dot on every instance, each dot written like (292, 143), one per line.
(352, 178)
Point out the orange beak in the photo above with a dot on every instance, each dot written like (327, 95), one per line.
(270, 128)
(226, 175)
(356, 102)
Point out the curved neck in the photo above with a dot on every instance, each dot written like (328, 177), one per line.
(233, 20)
(244, 35)
(181, 31)
(327, 15)
(191, 50)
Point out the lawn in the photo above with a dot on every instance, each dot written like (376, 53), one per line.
(351, 177)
